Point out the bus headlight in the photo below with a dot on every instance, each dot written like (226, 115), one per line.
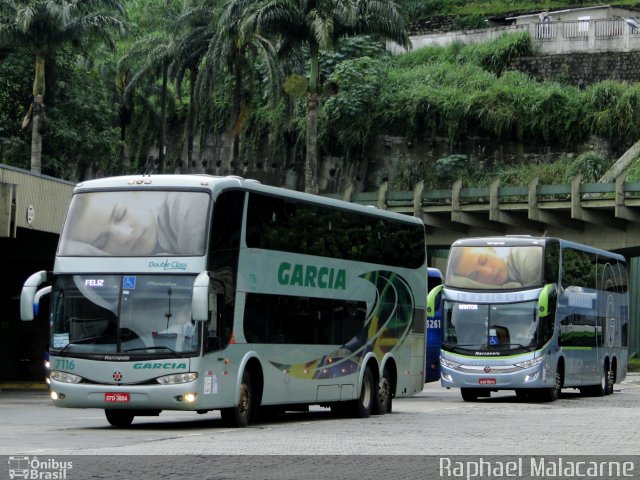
(530, 363)
(177, 378)
(448, 363)
(64, 377)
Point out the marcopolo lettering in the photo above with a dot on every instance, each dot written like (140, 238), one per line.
(165, 366)
(312, 276)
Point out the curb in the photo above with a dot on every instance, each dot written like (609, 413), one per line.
(23, 386)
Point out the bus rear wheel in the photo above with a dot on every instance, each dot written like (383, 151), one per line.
(239, 415)
(364, 405)
(599, 389)
(119, 418)
(611, 378)
(382, 403)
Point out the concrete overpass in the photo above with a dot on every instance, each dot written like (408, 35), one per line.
(604, 215)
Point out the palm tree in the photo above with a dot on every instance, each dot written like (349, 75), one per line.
(166, 52)
(318, 25)
(197, 27)
(243, 56)
(156, 52)
(41, 27)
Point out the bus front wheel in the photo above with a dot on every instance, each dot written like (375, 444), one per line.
(119, 418)
(469, 394)
(239, 415)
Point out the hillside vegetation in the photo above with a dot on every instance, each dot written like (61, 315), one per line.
(420, 9)
(462, 90)
(182, 77)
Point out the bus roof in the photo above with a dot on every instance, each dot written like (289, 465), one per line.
(217, 183)
(509, 240)
(528, 240)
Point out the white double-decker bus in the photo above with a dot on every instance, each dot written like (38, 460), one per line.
(200, 293)
(533, 315)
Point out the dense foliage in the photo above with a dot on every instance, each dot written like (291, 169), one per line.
(184, 80)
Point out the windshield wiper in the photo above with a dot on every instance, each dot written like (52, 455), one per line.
(156, 347)
(84, 340)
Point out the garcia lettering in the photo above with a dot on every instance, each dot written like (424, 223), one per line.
(312, 276)
(165, 366)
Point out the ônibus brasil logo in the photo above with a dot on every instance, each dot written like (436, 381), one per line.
(33, 468)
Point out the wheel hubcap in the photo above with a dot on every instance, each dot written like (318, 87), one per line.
(243, 407)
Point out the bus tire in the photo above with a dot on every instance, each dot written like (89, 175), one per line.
(119, 418)
(362, 407)
(238, 416)
(552, 394)
(383, 400)
(599, 389)
(611, 378)
(524, 394)
(469, 394)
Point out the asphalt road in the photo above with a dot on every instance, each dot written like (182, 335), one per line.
(436, 422)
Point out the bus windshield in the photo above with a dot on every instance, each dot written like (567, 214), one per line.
(154, 313)
(501, 328)
(135, 223)
(489, 268)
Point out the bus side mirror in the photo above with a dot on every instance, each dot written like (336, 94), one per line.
(545, 301)
(39, 294)
(29, 299)
(200, 299)
(433, 301)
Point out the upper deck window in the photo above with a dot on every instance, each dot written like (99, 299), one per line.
(490, 268)
(135, 223)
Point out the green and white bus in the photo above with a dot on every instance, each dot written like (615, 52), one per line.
(533, 315)
(201, 293)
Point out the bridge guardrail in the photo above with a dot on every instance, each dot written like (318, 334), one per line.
(613, 203)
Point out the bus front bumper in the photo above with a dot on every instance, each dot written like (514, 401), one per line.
(126, 397)
(506, 377)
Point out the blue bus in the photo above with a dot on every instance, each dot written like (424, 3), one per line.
(534, 315)
(433, 331)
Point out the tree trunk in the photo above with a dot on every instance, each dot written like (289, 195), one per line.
(191, 123)
(37, 121)
(37, 114)
(311, 164)
(163, 118)
(125, 113)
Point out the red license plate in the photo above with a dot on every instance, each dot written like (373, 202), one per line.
(487, 381)
(118, 397)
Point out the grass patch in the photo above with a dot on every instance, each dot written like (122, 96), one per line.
(634, 364)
